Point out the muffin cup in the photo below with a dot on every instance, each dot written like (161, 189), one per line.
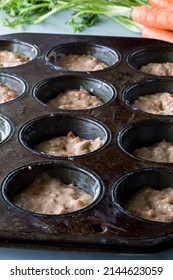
(16, 84)
(139, 58)
(144, 134)
(104, 54)
(131, 182)
(51, 126)
(6, 129)
(50, 88)
(19, 179)
(135, 90)
(26, 49)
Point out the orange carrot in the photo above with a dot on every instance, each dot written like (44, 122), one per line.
(164, 4)
(153, 17)
(159, 34)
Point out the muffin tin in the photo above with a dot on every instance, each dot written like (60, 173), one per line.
(111, 173)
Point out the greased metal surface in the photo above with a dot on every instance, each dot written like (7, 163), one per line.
(112, 172)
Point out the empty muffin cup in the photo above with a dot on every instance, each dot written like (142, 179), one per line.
(52, 188)
(150, 97)
(145, 194)
(6, 129)
(149, 140)
(11, 87)
(83, 57)
(70, 92)
(64, 135)
(14, 53)
(143, 57)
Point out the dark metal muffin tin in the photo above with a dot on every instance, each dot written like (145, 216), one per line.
(112, 172)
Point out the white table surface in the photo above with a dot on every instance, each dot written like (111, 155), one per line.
(56, 24)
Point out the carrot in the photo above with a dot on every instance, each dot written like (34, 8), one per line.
(164, 4)
(153, 17)
(159, 34)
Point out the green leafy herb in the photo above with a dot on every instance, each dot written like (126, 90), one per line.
(86, 13)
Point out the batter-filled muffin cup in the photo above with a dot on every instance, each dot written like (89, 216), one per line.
(150, 97)
(64, 135)
(15, 53)
(11, 87)
(52, 188)
(148, 140)
(145, 194)
(74, 92)
(82, 57)
(152, 61)
(6, 129)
